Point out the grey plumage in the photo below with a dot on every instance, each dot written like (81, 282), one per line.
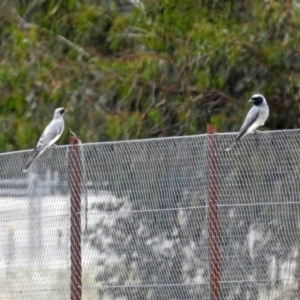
(255, 118)
(50, 135)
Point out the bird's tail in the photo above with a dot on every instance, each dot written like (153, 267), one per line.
(241, 134)
(32, 158)
(231, 145)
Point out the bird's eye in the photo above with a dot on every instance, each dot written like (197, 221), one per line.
(257, 99)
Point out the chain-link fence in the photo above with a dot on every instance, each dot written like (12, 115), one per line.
(146, 229)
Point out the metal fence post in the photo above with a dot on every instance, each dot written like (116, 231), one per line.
(75, 175)
(213, 213)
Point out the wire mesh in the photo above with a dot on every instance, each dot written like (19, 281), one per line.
(145, 219)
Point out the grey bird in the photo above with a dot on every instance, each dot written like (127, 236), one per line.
(50, 135)
(255, 118)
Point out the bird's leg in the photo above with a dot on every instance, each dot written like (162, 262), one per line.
(54, 146)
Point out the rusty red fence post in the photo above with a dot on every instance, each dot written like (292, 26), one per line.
(75, 175)
(213, 213)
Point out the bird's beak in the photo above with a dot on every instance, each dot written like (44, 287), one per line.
(250, 101)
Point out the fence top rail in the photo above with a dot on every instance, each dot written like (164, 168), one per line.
(156, 139)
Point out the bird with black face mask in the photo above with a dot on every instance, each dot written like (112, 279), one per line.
(255, 118)
(50, 135)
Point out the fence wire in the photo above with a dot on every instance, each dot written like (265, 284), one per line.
(145, 220)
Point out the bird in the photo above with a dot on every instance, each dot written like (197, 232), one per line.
(50, 135)
(256, 117)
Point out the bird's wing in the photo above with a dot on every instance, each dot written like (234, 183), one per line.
(251, 117)
(50, 134)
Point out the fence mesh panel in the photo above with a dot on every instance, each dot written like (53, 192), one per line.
(145, 219)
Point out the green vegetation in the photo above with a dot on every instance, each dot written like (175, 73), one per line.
(166, 69)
